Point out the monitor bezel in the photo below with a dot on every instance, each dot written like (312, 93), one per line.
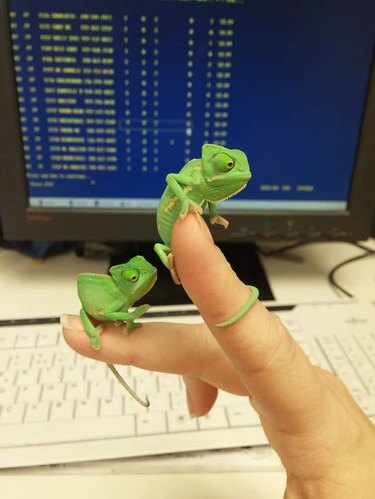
(22, 222)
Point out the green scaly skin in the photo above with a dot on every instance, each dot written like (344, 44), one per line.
(108, 298)
(218, 175)
(221, 173)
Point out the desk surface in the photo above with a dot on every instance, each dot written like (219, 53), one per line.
(30, 289)
(164, 486)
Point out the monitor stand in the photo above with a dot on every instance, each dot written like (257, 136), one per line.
(243, 258)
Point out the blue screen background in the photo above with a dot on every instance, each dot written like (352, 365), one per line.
(298, 79)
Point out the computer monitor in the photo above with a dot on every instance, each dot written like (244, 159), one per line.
(100, 100)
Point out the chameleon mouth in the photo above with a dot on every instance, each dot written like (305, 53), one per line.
(231, 194)
(151, 285)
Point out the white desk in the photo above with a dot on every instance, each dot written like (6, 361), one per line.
(48, 289)
(30, 289)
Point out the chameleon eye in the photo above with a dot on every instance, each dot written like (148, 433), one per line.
(131, 275)
(223, 162)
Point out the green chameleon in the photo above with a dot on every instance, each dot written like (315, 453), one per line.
(220, 174)
(108, 298)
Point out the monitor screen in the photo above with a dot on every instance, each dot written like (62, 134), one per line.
(104, 99)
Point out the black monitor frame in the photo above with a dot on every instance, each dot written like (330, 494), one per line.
(21, 222)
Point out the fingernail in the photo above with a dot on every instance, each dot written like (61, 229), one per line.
(69, 321)
(190, 405)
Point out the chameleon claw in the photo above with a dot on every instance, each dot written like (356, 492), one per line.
(195, 208)
(191, 208)
(130, 325)
(220, 221)
(95, 337)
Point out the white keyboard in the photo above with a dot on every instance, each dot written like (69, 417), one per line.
(59, 407)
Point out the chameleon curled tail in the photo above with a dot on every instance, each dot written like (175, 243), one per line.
(145, 403)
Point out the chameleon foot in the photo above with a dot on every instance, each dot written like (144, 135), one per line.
(130, 325)
(93, 332)
(94, 336)
(220, 221)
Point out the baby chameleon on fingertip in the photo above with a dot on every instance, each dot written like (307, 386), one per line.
(219, 174)
(109, 297)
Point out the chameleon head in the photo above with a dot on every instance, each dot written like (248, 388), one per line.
(226, 171)
(135, 277)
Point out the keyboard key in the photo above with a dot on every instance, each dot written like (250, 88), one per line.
(27, 339)
(73, 373)
(48, 338)
(111, 407)
(7, 378)
(178, 400)
(100, 389)
(8, 394)
(87, 408)
(51, 374)
(4, 359)
(64, 358)
(169, 382)
(131, 405)
(53, 392)
(181, 421)
(151, 423)
(242, 416)
(7, 338)
(215, 419)
(62, 410)
(27, 377)
(67, 431)
(29, 394)
(96, 371)
(76, 390)
(160, 401)
(43, 359)
(12, 414)
(20, 360)
(37, 412)
(146, 384)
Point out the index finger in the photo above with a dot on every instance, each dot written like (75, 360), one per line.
(269, 362)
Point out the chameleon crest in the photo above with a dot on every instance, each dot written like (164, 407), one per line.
(219, 174)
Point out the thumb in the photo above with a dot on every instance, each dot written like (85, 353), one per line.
(268, 361)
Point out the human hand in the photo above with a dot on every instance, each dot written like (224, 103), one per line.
(325, 442)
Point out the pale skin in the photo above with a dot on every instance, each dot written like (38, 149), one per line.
(324, 440)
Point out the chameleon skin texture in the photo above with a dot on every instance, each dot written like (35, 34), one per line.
(250, 302)
(218, 175)
(108, 298)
